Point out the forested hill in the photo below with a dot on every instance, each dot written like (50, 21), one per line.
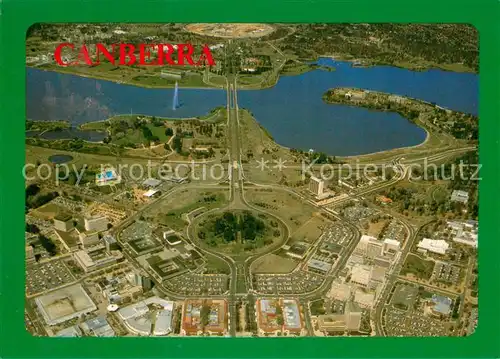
(451, 46)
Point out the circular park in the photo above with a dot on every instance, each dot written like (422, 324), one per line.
(239, 231)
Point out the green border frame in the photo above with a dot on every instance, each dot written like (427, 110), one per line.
(17, 15)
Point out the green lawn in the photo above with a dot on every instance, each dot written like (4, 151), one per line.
(418, 267)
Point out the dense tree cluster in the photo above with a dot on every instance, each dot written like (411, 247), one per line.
(35, 199)
(230, 226)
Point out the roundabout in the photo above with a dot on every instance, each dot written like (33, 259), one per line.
(239, 233)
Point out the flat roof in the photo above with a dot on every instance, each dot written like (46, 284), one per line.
(150, 193)
(320, 265)
(65, 304)
(361, 274)
(64, 217)
(291, 315)
(151, 182)
(73, 331)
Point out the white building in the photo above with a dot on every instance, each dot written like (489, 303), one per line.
(316, 186)
(371, 247)
(391, 245)
(464, 232)
(459, 196)
(136, 318)
(96, 223)
(438, 246)
(361, 275)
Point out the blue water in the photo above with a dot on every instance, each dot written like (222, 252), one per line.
(60, 159)
(68, 134)
(292, 111)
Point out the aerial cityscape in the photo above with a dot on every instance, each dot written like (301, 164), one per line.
(252, 180)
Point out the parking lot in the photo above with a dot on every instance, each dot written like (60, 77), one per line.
(358, 213)
(402, 323)
(198, 284)
(336, 234)
(296, 282)
(395, 230)
(41, 277)
(447, 273)
(69, 204)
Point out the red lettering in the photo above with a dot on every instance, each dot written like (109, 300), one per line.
(145, 54)
(206, 56)
(101, 49)
(83, 55)
(165, 54)
(181, 55)
(57, 53)
(124, 53)
(168, 54)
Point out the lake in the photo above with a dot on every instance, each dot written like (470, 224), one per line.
(60, 159)
(67, 134)
(292, 111)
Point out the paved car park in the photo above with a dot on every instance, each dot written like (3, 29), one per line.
(296, 282)
(401, 323)
(41, 277)
(198, 284)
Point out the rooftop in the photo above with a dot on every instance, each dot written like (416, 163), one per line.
(64, 217)
(434, 245)
(319, 265)
(151, 182)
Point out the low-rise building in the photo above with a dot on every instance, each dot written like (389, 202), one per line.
(96, 258)
(364, 298)
(138, 317)
(459, 196)
(438, 246)
(350, 320)
(441, 305)
(318, 266)
(361, 274)
(209, 316)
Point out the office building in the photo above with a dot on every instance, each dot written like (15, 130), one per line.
(89, 239)
(316, 186)
(96, 223)
(110, 243)
(391, 245)
(63, 222)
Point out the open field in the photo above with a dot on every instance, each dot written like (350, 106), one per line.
(311, 230)
(283, 204)
(170, 211)
(420, 268)
(273, 263)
